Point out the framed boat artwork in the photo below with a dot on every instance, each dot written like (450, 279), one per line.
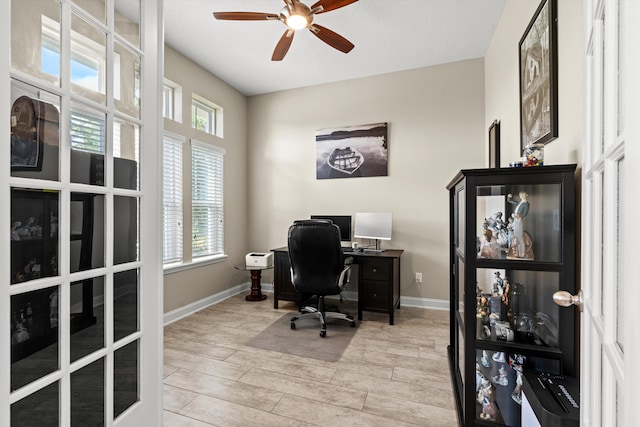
(353, 151)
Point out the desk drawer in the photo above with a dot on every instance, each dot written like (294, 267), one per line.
(375, 269)
(375, 294)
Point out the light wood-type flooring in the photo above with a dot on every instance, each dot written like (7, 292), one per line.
(389, 375)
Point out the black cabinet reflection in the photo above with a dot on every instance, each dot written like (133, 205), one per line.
(34, 335)
(125, 303)
(125, 229)
(34, 234)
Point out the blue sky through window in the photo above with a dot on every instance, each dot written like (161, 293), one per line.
(81, 73)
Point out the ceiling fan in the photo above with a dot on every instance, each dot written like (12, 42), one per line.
(297, 16)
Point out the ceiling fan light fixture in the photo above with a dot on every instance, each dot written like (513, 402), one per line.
(297, 22)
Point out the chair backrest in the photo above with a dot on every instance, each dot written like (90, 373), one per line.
(316, 256)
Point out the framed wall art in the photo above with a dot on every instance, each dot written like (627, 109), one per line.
(353, 151)
(539, 77)
(494, 144)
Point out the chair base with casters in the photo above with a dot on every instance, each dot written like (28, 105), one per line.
(318, 268)
(323, 315)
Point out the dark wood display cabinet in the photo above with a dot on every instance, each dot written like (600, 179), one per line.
(512, 246)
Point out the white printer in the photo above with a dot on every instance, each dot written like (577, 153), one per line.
(258, 259)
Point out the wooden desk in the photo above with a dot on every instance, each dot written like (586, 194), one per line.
(378, 280)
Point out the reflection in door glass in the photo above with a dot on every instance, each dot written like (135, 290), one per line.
(126, 377)
(87, 395)
(619, 282)
(125, 230)
(87, 317)
(38, 409)
(34, 335)
(125, 303)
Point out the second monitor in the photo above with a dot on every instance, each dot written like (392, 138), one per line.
(342, 221)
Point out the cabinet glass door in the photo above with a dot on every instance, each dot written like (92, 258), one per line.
(520, 222)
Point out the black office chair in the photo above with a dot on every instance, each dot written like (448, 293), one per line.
(318, 268)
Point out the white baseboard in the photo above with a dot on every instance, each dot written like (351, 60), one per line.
(196, 306)
(179, 313)
(428, 303)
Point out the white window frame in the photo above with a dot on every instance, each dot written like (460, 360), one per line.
(172, 201)
(172, 101)
(207, 163)
(213, 111)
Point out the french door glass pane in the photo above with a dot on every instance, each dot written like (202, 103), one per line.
(38, 409)
(88, 60)
(621, 93)
(88, 142)
(126, 154)
(125, 230)
(127, 20)
(35, 49)
(619, 282)
(87, 395)
(127, 81)
(125, 303)
(87, 317)
(126, 378)
(34, 335)
(35, 132)
(34, 234)
(87, 231)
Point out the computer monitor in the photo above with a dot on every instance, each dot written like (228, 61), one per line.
(373, 225)
(342, 221)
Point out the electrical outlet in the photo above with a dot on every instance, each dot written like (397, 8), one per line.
(419, 278)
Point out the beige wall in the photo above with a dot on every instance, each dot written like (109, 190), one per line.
(191, 285)
(435, 119)
(438, 119)
(502, 82)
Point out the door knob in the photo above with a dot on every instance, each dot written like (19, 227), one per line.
(565, 299)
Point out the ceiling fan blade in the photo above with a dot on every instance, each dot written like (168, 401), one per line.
(283, 45)
(245, 16)
(328, 5)
(334, 40)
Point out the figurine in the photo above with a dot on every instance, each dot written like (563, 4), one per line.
(520, 244)
(486, 397)
(485, 359)
(516, 361)
(489, 247)
(501, 378)
(14, 230)
(498, 288)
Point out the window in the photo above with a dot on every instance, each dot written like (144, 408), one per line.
(172, 198)
(87, 133)
(87, 57)
(206, 116)
(172, 101)
(167, 101)
(207, 164)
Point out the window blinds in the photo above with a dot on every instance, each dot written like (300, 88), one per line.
(172, 198)
(207, 163)
(87, 133)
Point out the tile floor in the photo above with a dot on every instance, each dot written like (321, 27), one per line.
(388, 375)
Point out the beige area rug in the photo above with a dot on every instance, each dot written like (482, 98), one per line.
(305, 340)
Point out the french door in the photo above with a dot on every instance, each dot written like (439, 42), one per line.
(610, 231)
(81, 279)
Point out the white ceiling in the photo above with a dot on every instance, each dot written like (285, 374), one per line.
(389, 35)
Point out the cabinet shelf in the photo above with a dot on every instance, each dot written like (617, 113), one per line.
(508, 264)
(513, 235)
